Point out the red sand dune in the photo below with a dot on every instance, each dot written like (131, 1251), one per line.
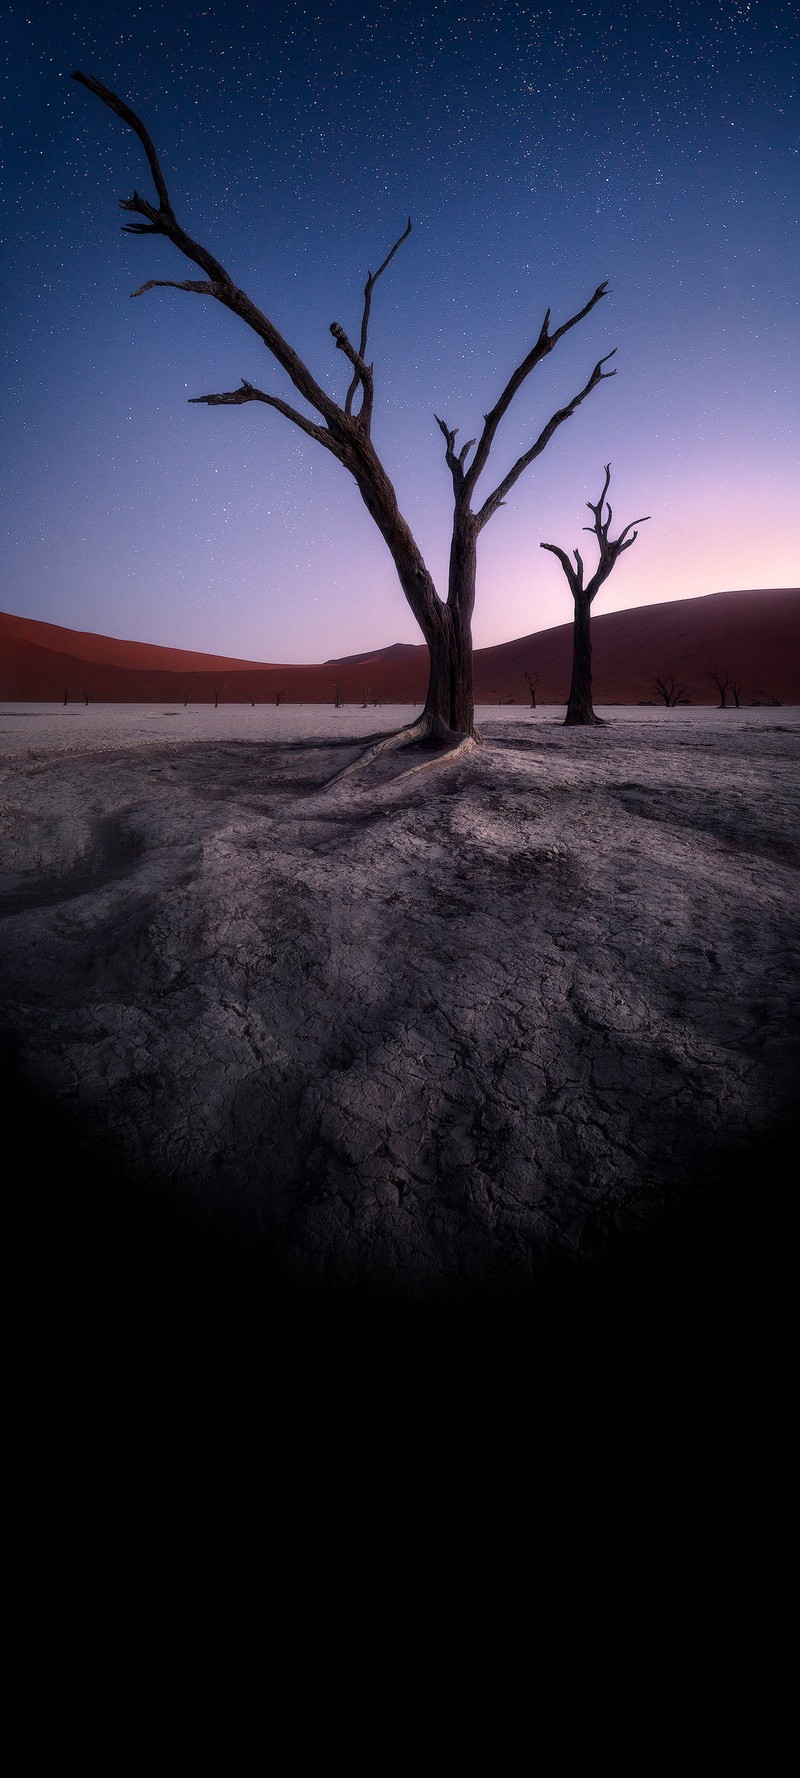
(754, 635)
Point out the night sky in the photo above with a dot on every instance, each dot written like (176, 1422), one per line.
(539, 150)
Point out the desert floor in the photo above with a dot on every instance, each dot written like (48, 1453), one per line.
(417, 1036)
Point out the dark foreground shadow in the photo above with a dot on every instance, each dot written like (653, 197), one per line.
(126, 1306)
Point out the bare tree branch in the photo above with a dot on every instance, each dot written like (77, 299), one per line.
(544, 344)
(163, 221)
(454, 463)
(575, 579)
(247, 392)
(201, 286)
(372, 279)
(504, 487)
(600, 528)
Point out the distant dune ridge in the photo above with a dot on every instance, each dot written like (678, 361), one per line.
(752, 635)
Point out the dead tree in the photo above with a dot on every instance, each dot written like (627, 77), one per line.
(722, 685)
(338, 700)
(66, 695)
(367, 696)
(86, 697)
(579, 708)
(186, 699)
(672, 691)
(533, 680)
(736, 688)
(279, 697)
(217, 696)
(445, 623)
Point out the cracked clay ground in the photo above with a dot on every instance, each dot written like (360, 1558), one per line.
(420, 1032)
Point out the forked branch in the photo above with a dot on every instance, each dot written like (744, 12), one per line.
(610, 548)
(544, 344)
(162, 221)
(454, 463)
(358, 359)
(599, 375)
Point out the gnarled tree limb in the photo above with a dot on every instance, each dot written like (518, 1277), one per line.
(247, 392)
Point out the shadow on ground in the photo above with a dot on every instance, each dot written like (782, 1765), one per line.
(119, 1282)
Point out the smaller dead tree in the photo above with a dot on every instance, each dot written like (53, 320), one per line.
(533, 680)
(337, 695)
(217, 695)
(580, 712)
(672, 690)
(367, 696)
(186, 699)
(86, 697)
(736, 688)
(723, 686)
(279, 697)
(66, 696)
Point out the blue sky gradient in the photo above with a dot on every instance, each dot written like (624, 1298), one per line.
(538, 150)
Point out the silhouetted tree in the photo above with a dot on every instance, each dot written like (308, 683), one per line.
(66, 695)
(736, 688)
(279, 697)
(186, 699)
(445, 623)
(533, 680)
(337, 695)
(672, 691)
(722, 685)
(367, 696)
(217, 695)
(579, 707)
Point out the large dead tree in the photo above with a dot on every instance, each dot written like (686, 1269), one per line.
(580, 711)
(345, 431)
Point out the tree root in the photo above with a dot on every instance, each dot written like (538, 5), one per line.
(427, 731)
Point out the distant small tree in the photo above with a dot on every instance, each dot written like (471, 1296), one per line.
(279, 697)
(533, 680)
(736, 688)
(337, 695)
(722, 685)
(579, 708)
(672, 691)
(186, 699)
(66, 695)
(86, 697)
(217, 695)
(367, 696)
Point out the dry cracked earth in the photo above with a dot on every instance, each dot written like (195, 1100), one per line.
(419, 1036)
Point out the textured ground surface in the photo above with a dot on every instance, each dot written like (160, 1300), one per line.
(417, 1031)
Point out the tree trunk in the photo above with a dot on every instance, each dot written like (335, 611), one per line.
(579, 709)
(450, 691)
(447, 628)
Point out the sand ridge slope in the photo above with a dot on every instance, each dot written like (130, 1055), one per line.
(754, 635)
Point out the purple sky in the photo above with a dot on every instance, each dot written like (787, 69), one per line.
(539, 150)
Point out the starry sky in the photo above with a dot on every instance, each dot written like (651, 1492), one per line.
(539, 150)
